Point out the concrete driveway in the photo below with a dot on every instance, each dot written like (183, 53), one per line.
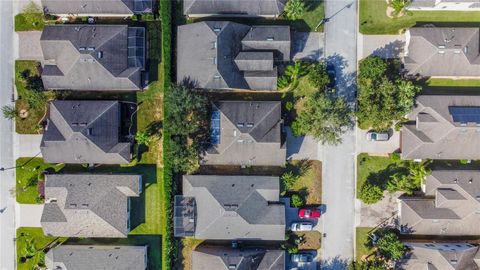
(385, 46)
(377, 148)
(307, 46)
(27, 145)
(300, 148)
(29, 45)
(28, 215)
(371, 215)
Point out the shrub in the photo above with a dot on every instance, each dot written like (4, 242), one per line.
(294, 9)
(292, 250)
(297, 201)
(390, 247)
(9, 112)
(289, 105)
(370, 194)
(288, 180)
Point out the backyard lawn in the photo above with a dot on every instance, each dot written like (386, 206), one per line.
(437, 82)
(370, 166)
(373, 18)
(30, 245)
(360, 240)
(27, 171)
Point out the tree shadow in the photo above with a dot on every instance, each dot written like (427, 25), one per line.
(381, 178)
(391, 50)
(311, 5)
(335, 263)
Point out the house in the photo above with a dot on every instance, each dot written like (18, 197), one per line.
(246, 133)
(85, 132)
(442, 127)
(230, 208)
(219, 257)
(80, 257)
(89, 205)
(93, 57)
(233, 8)
(445, 5)
(440, 256)
(228, 55)
(111, 8)
(450, 205)
(443, 52)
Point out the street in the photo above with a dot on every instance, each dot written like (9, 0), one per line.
(339, 161)
(7, 177)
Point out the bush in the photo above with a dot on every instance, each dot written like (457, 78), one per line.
(289, 105)
(390, 246)
(297, 201)
(370, 194)
(292, 250)
(294, 9)
(288, 180)
(9, 112)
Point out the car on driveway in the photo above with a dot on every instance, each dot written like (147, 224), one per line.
(309, 213)
(377, 136)
(301, 226)
(330, 68)
(302, 257)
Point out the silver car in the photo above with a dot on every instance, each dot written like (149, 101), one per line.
(377, 136)
(301, 227)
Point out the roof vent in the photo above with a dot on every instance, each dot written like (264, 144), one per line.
(240, 124)
(249, 124)
(100, 54)
(470, 181)
(91, 48)
(465, 50)
(217, 29)
(453, 261)
(232, 266)
(82, 48)
(455, 180)
(441, 46)
(270, 38)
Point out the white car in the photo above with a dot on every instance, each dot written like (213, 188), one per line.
(377, 136)
(301, 227)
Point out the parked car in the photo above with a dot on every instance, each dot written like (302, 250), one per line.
(302, 257)
(377, 136)
(301, 226)
(330, 68)
(309, 213)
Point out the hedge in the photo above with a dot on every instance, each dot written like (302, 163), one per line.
(168, 245)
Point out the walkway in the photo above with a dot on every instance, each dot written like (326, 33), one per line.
(339, 161)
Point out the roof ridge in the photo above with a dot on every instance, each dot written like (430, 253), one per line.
(263, 118)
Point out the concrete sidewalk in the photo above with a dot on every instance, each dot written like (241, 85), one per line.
(28, 215)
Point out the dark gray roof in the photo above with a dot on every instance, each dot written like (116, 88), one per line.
(216, 54)
(95, 7)
(236, 207)
(441, 256)
(250, 134)
(84, 132)
(93, 57)
(445, 52)
(435, 134)
(450, 205)
(84, 205)
(223, 258)
(82, 257)
(267, 8)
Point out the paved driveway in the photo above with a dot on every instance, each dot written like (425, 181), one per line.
(27, 145)
(299, 148)
(371, 215)
(377, 148)
(385, 46)
(28, 215)
(29, 45)
(307, 46)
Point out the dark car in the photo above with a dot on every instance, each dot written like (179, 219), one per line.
(302, 258)
(331, 75)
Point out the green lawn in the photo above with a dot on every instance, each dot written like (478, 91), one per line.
(310, 182)
(370, 166)
(27, 171)
(360, 239)
(29, 22)
(373, 19)
(437, 82)
(315, 12)
(30, 244)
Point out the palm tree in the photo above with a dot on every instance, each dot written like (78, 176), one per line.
(294, 72)
(294, 9)
(399, 6)
(9, 112)
(143, 137)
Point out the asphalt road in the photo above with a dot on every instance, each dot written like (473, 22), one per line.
(7, 177)
(339, 161)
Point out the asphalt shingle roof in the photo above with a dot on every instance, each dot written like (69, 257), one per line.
(252, 8)
(81, 205)
(93, 57)
(84, 132)
(96, 7)
(217, 54)
(82, 257)
(250, 134)
(236, 207)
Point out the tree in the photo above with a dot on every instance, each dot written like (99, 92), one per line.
(9, 112)
(292, 74)
(399, 6)
(294, 9)
(297, 201)
(185, 158)
(374, 264)
(324, 117)
(318, 76)
(383, 96)
(370, 193)
(390, 247)
(410, 179)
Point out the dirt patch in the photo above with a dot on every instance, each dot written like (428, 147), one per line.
(310, 240)
(187, 245)
(309, 185)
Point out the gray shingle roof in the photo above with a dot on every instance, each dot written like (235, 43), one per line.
(84, 132)
(435, 134)
(236, 207)
(82, 205)
(450, 205)
(443, 52)
(267, 8)
(441, 256)
(220, 258)
(250, 134)
(214, 54)
(93, 57)
(82, 257)
(95, 7)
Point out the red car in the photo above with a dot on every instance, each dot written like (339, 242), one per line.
(309, 213)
